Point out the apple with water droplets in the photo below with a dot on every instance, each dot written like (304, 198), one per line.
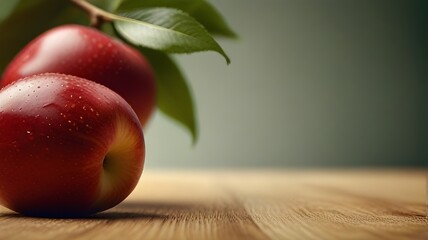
(86, 52)
(68, 146)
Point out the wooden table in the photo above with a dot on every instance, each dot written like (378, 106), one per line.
(322, 204)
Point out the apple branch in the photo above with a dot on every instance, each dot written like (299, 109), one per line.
(97, 16)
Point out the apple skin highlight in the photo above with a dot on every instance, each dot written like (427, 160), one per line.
(68, 147)
(88, 53)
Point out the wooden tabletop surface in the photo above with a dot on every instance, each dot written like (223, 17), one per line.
(282, 204)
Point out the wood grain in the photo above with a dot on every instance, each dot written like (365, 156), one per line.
(357, 204)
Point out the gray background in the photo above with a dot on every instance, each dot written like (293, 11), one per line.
(312, 83)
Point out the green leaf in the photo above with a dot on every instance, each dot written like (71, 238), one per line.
(165, 29)
(7, 7)
(31, 18)
(173, 94)
(201, 10)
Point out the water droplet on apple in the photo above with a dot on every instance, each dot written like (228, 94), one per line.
(47, 105)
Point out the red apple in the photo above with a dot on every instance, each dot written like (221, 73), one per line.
(85, 52)
(68, 146)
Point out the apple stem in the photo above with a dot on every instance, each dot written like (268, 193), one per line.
(96, 21)
(97, 16)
